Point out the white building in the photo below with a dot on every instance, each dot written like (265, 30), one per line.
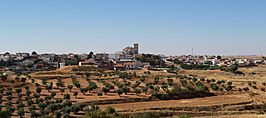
(61, 65)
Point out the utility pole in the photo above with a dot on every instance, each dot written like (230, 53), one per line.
(192, 51)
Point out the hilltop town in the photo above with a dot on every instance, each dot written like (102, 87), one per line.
(127, 59)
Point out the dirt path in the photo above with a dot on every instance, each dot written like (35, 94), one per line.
(197, 102)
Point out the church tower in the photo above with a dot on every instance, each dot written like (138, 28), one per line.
(136, 48)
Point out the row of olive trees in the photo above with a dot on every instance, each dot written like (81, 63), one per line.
(37, 105)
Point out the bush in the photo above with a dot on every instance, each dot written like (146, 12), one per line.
(219, 82)
(229, 88)
(105, 90)
(233, 68)
(4, 114)
(194, 79)
(142, 78)
(119, 92)
(214, 87)
(222, 81)
(66, 96)
(99, 94)
(215, 68)
(124, 75)
(137, 91)
(21, 112)
(110, 110)
(194, 66)
(202, 79)
(221, 89)
(145, 90)
(255, 83)
(229, 83)
(263, 107)
(240, 89)
(184, 116)
(246, 89)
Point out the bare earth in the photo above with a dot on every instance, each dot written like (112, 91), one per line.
(197, 102)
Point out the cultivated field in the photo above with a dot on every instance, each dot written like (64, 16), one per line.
(193, 92)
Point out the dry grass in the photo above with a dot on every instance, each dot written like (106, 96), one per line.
(221, 75)
(196, 102)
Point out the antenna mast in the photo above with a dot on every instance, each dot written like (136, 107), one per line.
(192, 51)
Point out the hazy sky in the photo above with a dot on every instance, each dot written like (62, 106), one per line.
(171, 27)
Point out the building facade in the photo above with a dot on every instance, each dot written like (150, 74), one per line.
(131, 50)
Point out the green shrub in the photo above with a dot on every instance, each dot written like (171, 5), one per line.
(215, 68)
(202, 79)
(194, 66)
(233, 68)
(219, 82)
(214, 87)
(194, 79)
(263, 107)
(229, 83)
(184, 116)
(255, 83)
(110, 110)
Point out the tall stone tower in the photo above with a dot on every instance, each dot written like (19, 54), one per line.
(136, 48)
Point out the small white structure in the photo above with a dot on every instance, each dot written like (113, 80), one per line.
(61, 65)
(214, 62)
